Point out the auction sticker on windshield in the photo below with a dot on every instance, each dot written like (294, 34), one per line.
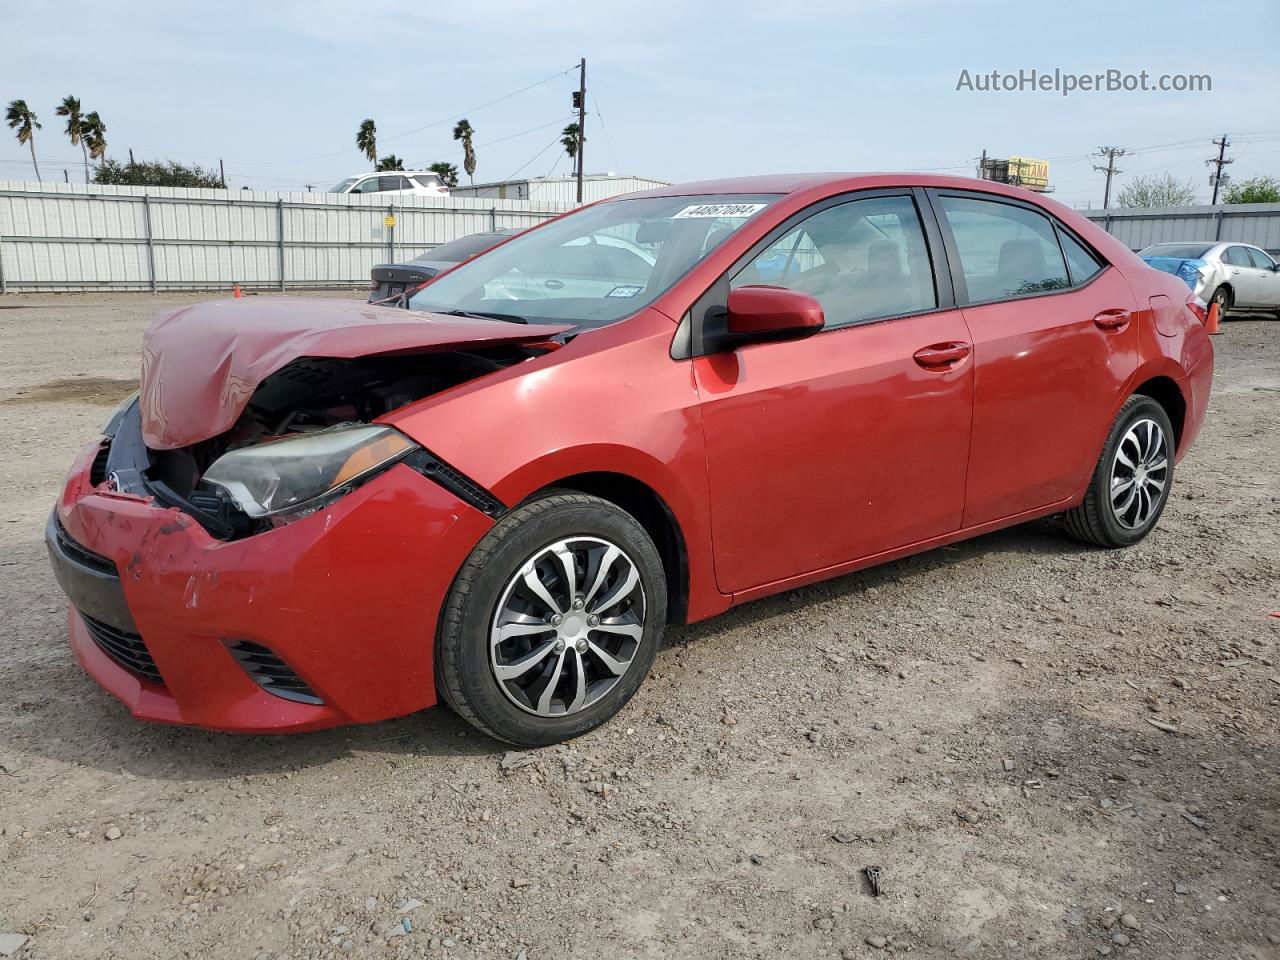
(719, 210)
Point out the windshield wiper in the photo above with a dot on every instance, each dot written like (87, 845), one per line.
(481, 315)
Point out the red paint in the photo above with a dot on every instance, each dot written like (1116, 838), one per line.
(781, 462)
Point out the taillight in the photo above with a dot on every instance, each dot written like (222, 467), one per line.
(1197, 306)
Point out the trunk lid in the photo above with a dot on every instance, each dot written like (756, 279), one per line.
(202, 364)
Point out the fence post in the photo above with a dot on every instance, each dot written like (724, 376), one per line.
(391, 232)
(1217, 224)
(280, 239)
(493, 219)
(3, 288)
(151, 247)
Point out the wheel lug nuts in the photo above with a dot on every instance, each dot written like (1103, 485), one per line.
(577, 603)
(559, 647)
(557, 620)
(593, 621)
(581, 646)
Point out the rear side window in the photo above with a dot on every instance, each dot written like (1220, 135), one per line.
(861, 260)
(1260, 259)
(1005, 250)
(1081, 263)
(1236, 256)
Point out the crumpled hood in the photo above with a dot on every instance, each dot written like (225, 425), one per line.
(201, 364)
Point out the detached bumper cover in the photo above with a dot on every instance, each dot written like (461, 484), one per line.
(347, 597)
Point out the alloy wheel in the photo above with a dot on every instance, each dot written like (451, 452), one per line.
(1139, 474)
(567, 626)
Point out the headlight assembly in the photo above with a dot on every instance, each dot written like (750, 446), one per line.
(281, 476)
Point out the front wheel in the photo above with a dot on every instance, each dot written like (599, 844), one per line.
(553, 621)
(1131, 482)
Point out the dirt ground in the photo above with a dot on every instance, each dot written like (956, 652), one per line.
(977, 722)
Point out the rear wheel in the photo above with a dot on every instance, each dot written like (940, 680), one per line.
(1222, 297)
(1131, 481)
(553, 621)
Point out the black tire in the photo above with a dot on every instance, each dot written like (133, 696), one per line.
(1222, 297)
(464, 673)
(1094, 521)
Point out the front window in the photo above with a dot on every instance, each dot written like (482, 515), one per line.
(594, 266)
(342, 186)
(861, 260)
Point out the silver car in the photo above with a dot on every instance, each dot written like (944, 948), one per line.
(1238, 277)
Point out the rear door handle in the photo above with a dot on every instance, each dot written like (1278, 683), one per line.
(942, 356)
(1112, 319)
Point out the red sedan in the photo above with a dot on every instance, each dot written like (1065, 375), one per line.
(644, 412)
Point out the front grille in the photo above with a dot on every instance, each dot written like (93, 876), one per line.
(126, 649)
(79, 554)
(98, 469)
(271, 673)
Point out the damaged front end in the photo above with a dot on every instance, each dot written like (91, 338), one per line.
(285, 421)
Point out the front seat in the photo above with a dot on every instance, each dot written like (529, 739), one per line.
(1022, 267)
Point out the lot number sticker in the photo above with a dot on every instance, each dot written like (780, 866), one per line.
(739, 210)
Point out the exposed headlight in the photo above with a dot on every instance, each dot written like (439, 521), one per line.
(113, 422)
(285, 475)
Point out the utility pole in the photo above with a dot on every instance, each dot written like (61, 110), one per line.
(1219, 163)
(222, 173)
(582, 119)
(1110, 153)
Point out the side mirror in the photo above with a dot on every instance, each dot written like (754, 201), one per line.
(760, 312)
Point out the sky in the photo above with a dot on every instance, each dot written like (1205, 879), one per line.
(676, 91)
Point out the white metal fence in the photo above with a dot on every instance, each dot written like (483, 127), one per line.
(1255, 223)
(60, 237)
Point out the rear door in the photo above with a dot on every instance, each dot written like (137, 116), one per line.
(1055, 338)
(853, 441)
(1241, 275)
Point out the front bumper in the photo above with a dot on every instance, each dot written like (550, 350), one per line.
(346, 599)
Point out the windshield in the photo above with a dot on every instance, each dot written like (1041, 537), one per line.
(342, 185)
(1180, 251)
(596, 265)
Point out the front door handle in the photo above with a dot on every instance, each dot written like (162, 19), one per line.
(1112, 319)
(942, 356)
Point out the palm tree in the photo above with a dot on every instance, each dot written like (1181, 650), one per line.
(390, 162)
(570, 140)
(463, 131)
(70, 108)
(367, 141)
(93, 134)
(24, 121)
(447, 172)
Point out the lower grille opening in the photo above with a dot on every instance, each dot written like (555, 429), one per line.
(125, 649)
(271, 673)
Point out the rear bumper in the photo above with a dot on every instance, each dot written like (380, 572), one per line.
(347, 599)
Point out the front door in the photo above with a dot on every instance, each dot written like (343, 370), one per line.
(853, 441)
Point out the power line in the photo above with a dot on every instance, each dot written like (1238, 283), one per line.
(605, 130)
(434, 123)
(531, 159)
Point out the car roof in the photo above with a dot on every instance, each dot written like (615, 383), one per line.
(784, 183)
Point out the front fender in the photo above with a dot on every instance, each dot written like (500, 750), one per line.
(611, 401)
